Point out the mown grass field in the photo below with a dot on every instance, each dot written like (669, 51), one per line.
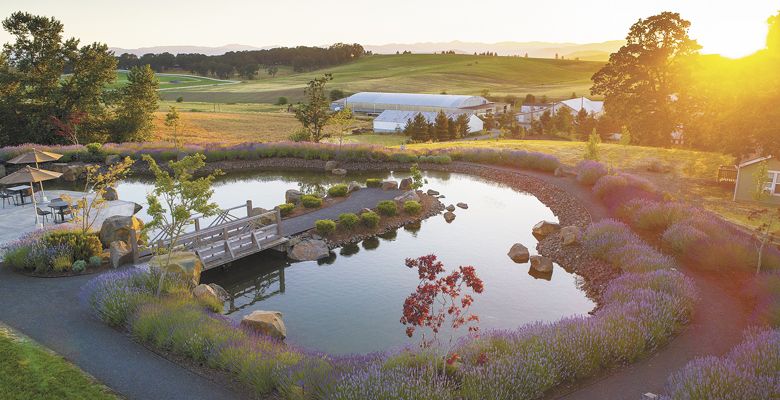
(172, 81)
(417, 73)
(30, 372)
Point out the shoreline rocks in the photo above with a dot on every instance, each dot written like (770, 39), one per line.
(541, 264)
(519, 253)
(293, 196)
(268, 323)
(449, 216)
(389, 185)
(545, 228)
(307, 249)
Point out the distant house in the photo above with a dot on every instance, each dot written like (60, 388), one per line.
(374, 103)
(391, 121)
(529, 113)
(745, 185)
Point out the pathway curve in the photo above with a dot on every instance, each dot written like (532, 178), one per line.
(717, 325)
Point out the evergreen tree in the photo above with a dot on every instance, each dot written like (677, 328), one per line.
(441, 125)
(138, 102)
(462, 126)
(419, 128)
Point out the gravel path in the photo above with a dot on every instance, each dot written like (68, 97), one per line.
(363, 198)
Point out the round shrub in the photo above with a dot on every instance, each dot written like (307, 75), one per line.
(369, 219)
(339, 190)
(348, 220)
(373, 183)
(387, 208)
(61, 262)
(83, 245)
(286, 209)
(588, 172)
(95, 261)
(311, 201)
(412, 207)
(79, 266)
(325, 226)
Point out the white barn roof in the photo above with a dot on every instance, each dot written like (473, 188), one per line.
(590, 106)
(416, 99)
(401, 117)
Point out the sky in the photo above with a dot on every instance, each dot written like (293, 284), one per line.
(725, 27)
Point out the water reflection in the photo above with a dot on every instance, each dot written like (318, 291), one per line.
(247, 282)
(371, 243)
(349, 249)
(547, 276)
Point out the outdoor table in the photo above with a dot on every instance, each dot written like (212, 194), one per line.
(20, 190)
(58, 208)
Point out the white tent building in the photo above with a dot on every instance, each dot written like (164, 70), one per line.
(376, 102)
(392, 121)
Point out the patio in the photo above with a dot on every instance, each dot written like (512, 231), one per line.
(15, 220)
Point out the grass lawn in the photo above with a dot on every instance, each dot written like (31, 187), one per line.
(418, 73)
(171, 81)
(373, 139)
(29, 372)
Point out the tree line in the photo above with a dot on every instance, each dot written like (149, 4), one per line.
(443, 127)
(53, 90)
(248, 64)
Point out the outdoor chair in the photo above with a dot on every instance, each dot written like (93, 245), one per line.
(7, 197)
(42, 213)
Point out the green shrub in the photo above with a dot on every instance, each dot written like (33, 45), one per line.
(61, 262)
(311, 201)
(339, 190)
(79, 266)
(325, 226)
(82, 245)
(301, 135)
(18, 258)
(412, 207)
(387, 208)
(348, 220)
(286, 209)
(95, 261)
(369, 219)
(373, 183)
(94, 149)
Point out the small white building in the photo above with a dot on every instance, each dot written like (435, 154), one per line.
(393, 121)
(528, 113)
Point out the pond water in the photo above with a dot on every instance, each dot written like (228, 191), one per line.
(352, 301)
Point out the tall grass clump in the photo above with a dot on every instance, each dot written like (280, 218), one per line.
(589, 171)
(615, 190)
(510, 158)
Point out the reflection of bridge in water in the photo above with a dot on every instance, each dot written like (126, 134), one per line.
(251, 280)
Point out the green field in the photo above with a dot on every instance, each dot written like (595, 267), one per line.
(417, 73)
(173, 81)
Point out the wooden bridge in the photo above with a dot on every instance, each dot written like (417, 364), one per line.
(227, 237)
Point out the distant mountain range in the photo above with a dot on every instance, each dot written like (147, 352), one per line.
(583, 51)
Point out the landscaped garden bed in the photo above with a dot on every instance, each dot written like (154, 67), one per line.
(56, 252)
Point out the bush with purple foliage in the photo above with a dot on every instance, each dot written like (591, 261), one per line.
(589, 171)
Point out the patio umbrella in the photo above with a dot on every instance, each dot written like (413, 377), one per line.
(30, 175)
(36, 156)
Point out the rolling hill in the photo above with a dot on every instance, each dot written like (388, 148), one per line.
(594, 51)
(419, 73)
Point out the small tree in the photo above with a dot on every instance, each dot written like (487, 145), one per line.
(342, 121)
(768, 220)
(172, 120)
(314, 114)
(96, 184)
(67, 128)
(176, 198)
(625, 136)
(462, 125)
(592, 148)
(417, 177)
(272, 70)
(440, 301)
(441, 125)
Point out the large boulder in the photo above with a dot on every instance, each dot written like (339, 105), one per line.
(544, 229)
(410, 195)
(389, 185)
(185, 263)
(541, 264)
(353, 187)
(432, 192)
(73, 172)
(338, 171)
(118, 227)
(206, 293)
(113, 159)
(308, 250)
(293, 196)
(406, 184)
(267, 323)
(331, 165)
(120, 253)
(570, 235)
(110, 194)
(265, 220)
(449, 216)
(518, 253)
(220, 291)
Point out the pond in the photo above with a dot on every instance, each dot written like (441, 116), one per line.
(352, 301)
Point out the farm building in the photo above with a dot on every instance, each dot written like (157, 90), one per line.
(531, 113)
(375, 103)
(395, 121)
(745, 184)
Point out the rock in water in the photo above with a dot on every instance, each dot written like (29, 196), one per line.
(293, 196)
(406, 184)
(389, 185)
(308, 250)
(449, 216)
(267, 323)
(541, 264)
(220, 291)
(518, 253)
(432, 192)
(353, 187)
(450, 208)
(545, 228)
(331, 165)
(463, 205)
(410, 195)
(570, 235)
(339, 171)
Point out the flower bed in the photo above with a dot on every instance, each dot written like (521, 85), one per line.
(55, 252)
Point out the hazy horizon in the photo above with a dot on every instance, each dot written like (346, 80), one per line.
(720, 28)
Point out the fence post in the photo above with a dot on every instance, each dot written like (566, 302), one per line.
(134, 245)
(197, 224)
(249, 208)
(278, 222)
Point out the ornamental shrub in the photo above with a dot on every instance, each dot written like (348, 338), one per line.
(79, 266)
(387, 208)
(412, 207)
(82, 245)
(95, 261)
(61, 262)
(286, 209)
(369, 219)
(311, 201)
(325, 226)
(348, 220)
(373, 183)
(589, 171)
(339, 190)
